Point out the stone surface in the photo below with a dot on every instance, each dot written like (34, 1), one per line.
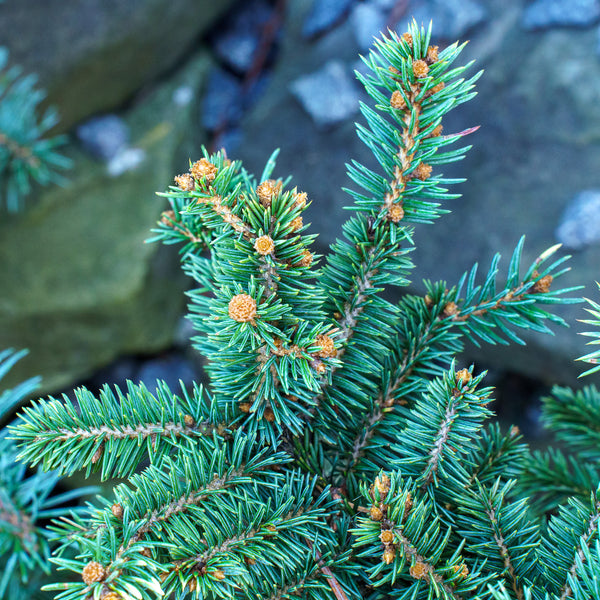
(580, 223)
(324, 14)
(543, 14)
(368, 21)
(223, 100)
(92, 55)
(538, 105)
(127, 159)
(79, 285)
(452, 19)
(173, 369)
(328, 95)
(237, 43)
(103, 136)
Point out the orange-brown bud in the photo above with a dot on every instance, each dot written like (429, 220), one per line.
(395, 213)
(462, 570)
(98, 454)
(450, 309)
(437, 131)
(300, 199)
(420, 68)
(242, 308)
(264, 245)
(93, 572)
(463, 376)
(185, 182)
(327, 346)
(375, 513)
(432, 53)
(419, 570)
(203, 170)
(408, 504)
(117, 511)
(542, 286)
(389, 554)
(397, 101)
(306, 259)
(268, 190)
(387, 536)
(167, 218)
(296, 224)
(382, 485)
(423, 171)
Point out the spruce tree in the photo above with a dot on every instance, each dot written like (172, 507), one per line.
(339, 451)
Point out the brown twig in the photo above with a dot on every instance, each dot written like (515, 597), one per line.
(338, 592)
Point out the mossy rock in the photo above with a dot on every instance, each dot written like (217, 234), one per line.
(79, 285)
(93, 55)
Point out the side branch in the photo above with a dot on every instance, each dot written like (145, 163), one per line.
(592, 530)
(503, 550)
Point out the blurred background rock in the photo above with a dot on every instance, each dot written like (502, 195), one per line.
(141, 84)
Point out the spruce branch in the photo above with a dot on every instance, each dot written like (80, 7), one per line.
(114, 432)
(491, 315)
(496, 455)
(574, 418)
(500, 531)
(574, 528)
(404, 535)
(26, 501)
(26, 153)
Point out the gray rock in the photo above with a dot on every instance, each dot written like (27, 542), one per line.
(104, 136)
(184, 333)
(543, 14)
(324, 15)
(368, 21)
(385, 4)
(580, 223)
(93, 55)
(117, 373)
(183, 95)
(223, 100)
(127, 159)
(173, 369)
(452, 19)
(237, 43)
(328, 95)
(229, 140)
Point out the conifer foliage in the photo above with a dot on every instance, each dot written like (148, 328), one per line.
(27, 501)
(26, 153)
(339, 451)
